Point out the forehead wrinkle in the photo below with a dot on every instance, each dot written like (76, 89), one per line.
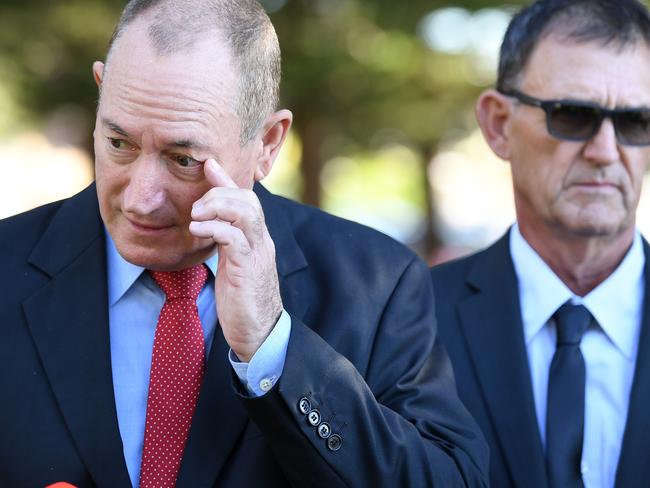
(606, 76)
(188, 133)
(198, 98)
(199, 88)
(160, 105)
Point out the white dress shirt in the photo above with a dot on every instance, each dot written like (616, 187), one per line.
(609, 348)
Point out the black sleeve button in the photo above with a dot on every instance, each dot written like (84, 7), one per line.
(314, 417)
(334, 442)
(304, 406)
(324, 430)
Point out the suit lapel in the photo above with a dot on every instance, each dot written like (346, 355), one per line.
(633, 463)
(492, 327)
(68, 320)
(220, 418)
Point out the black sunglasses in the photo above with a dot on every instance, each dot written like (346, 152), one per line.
(580, 121)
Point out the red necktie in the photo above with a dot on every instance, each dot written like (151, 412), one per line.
(177, 366)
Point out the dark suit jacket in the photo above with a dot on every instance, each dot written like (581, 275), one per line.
(479, 317)
(362, 349)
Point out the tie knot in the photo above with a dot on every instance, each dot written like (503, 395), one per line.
(572, 322)
(186, 283)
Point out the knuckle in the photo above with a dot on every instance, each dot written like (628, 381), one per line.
(211, 194)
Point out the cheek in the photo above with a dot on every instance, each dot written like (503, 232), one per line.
(639, 166)
(182, 196)
(637, 176)
(110, 180)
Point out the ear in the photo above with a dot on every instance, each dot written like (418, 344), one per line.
(274, 132)
(493, 112)
(98, 73)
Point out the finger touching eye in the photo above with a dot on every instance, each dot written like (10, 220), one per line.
(186, 161)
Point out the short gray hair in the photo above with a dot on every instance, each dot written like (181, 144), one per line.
(177, 24)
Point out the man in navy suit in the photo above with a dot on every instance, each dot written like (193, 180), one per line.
(321, 361)
(548, 329)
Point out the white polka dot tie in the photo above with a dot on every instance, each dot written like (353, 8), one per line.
(177, 366)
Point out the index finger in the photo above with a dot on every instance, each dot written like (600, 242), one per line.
(216, 175)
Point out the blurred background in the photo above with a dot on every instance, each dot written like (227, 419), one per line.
(382, 94)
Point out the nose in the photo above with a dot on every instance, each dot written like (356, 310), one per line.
(145, 191)
(602, 148)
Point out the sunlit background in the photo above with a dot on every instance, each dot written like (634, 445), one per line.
(382, 94)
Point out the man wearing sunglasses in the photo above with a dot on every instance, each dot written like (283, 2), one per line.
(549, 328)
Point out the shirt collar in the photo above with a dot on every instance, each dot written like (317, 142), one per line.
(616, 303)
(541, 292)
(122, 274)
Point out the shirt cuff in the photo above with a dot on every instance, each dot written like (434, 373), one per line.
(266, 365)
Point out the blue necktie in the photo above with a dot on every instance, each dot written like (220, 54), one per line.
(566, 399)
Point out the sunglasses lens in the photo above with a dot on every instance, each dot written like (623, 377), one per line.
(573, 122)
(633, 127)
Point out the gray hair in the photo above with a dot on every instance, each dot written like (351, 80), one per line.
(178, 24)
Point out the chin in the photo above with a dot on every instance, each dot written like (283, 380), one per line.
(595, 220)
(148, 258)
(598, 227)
(165, 259)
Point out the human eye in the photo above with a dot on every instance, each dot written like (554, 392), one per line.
(120, 144)
(186, 161)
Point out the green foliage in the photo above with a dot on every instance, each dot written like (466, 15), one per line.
(47, 48)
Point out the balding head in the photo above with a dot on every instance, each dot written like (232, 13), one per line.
(178, 25)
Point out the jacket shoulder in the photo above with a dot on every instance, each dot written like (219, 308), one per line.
(316, 229)
(20, 232)
(452, 274)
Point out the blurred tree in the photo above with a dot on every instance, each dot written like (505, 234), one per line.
(357, 75)
(46, 51)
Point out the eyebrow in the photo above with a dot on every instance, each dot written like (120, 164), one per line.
(187, 144)
(115, 128)
(182, 143)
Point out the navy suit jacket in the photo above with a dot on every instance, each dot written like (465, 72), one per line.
(480, 323)
(362, 350)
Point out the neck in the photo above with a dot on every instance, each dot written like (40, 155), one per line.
(581, 262)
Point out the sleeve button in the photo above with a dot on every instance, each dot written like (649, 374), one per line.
(334, 442)
(324, 430)
(314, 417)
(304, 406)
(266, 384)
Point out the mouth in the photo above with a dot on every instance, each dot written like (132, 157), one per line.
(596, 185)
(146, 227)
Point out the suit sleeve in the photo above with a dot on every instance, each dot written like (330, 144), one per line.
(399, 424)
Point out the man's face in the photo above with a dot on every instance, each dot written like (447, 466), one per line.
(587, 188)
(159, 119)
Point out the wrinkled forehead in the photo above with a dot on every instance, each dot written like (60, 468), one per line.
(607, 74)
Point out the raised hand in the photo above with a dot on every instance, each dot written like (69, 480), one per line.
(246, 287)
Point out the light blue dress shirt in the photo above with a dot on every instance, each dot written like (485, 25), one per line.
(609, 348)
(134, 302)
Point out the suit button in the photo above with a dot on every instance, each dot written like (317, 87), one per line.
(324, 430)
(334, 442)
(314, 417)
(304, 406)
